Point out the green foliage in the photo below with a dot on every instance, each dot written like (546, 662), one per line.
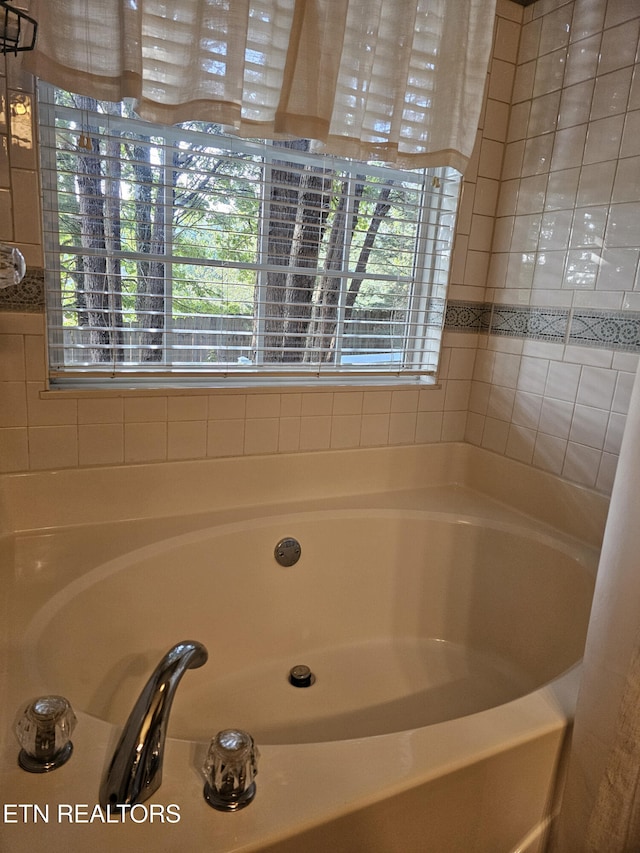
(182, 223)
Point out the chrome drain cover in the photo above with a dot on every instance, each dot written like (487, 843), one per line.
(301, 676)
(287, 551)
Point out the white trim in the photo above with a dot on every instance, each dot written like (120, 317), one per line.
(416, 345)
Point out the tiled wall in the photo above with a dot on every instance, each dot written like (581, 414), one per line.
(42, 431)
(19, 185)
(552, 380)
(547, 234)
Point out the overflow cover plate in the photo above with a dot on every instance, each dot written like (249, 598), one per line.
(287, 551)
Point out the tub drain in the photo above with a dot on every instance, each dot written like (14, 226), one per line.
(301, 676)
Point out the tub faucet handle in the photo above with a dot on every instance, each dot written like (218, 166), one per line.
(230, 770)
(43, 730)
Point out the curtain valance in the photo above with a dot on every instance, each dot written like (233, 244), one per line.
(394, 80)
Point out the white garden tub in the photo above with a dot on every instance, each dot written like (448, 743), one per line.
(406, 619)
(444, 631)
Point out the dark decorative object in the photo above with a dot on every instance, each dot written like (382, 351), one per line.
(17, 29)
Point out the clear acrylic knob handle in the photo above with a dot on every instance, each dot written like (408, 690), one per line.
(43, 730)
(230, 770)
(12, 266)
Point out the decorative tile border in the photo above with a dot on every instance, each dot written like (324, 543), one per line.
(28, 296)
(540, 324)
(619, 330)
(606, 329)
(467, 316)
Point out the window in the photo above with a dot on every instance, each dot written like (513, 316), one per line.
(184, 253)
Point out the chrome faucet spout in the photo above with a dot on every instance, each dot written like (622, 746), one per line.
(135, 771)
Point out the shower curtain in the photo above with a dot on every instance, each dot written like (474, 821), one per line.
(600, 811)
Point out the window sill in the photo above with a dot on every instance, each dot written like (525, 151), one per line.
(121, 387)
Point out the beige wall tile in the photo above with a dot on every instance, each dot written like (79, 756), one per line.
(320, 404)
(187, 439)
(53, 447)
(145, 409)
(34, 354)
(188, 408)
(402, 427)
(290, 405)
(145, 442)
(315, 432)
(428, 427)
(506, 40)
(12, 358)
(347, 403)
(6, 215)
(13, 404)
(405, 400)
(227, 406)
(26, 206)
(14, 449)
(345, 431)
(289, 435)
(225, 437)
(261, 435)
(104, 410)
(453, 426)
(100, 444)
(376, 402)
(263, 405)
(375, 430)
(49, 411)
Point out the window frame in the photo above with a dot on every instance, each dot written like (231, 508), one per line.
(426, 303)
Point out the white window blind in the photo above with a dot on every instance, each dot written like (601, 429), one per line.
(185, 253)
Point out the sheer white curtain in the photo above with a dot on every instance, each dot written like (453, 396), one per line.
(395, 80)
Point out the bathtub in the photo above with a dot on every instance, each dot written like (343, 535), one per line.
(443, 627)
